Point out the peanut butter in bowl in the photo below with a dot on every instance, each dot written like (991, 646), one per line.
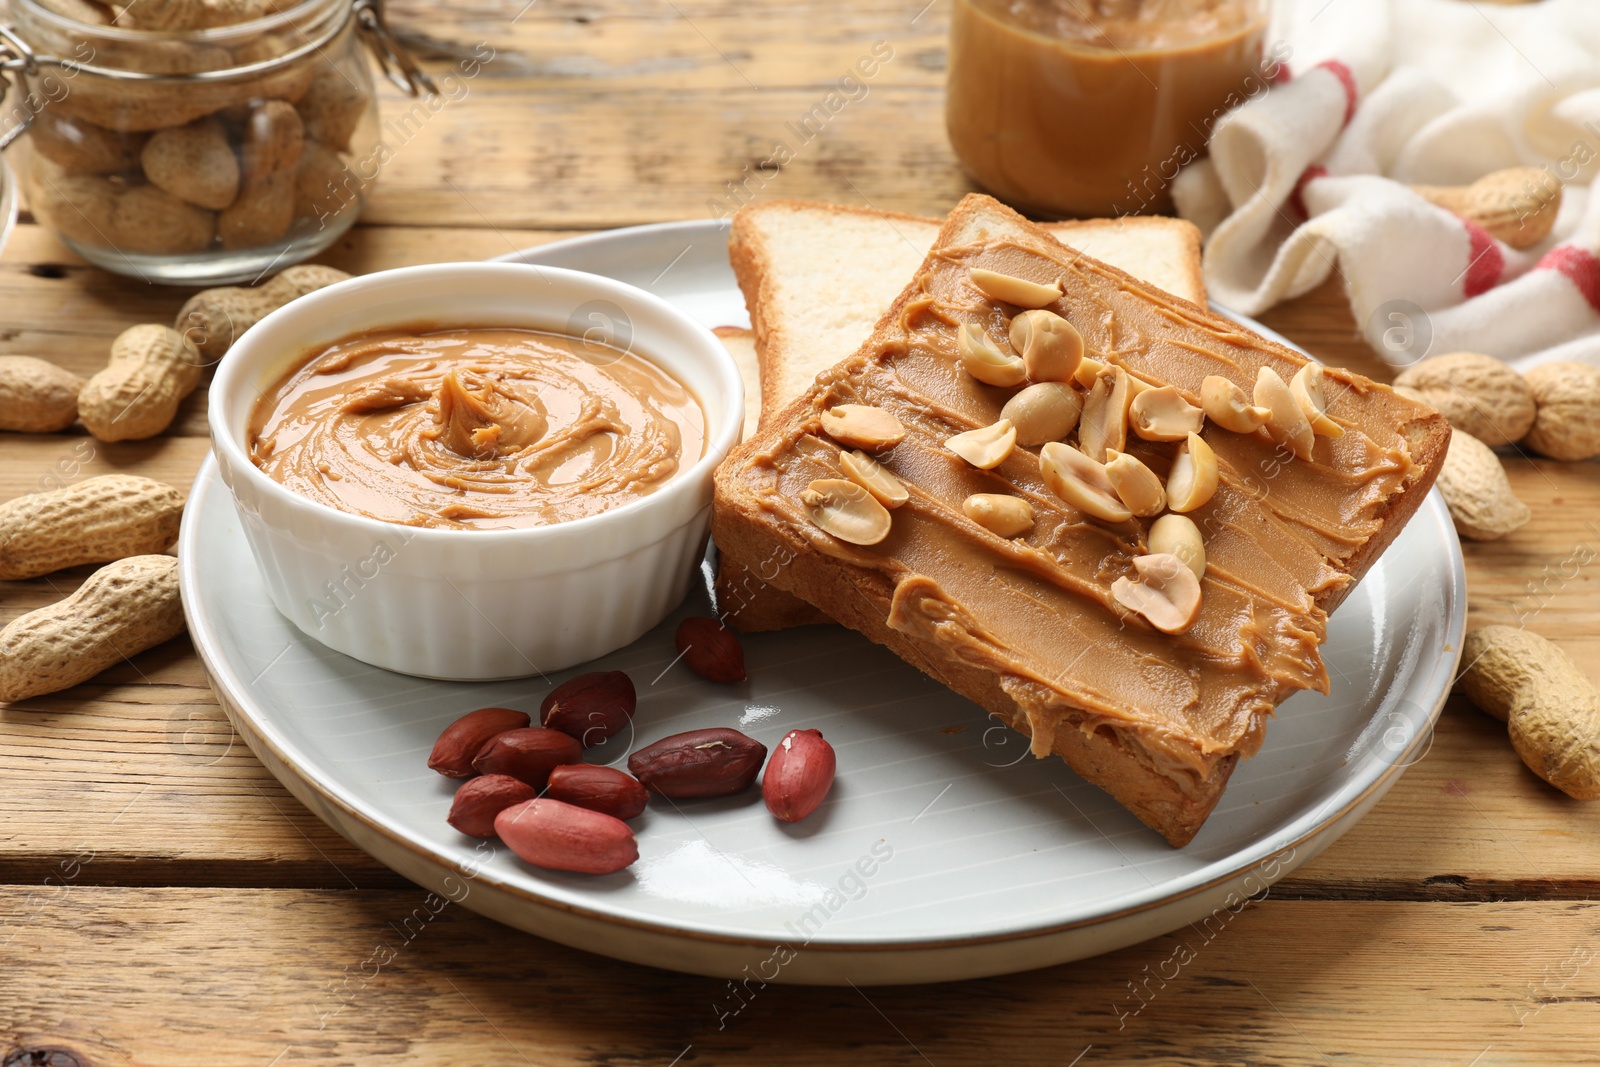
(474, 429)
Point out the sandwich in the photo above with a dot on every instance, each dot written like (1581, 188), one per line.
(1070, 626)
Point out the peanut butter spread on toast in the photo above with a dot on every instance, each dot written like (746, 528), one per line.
(1281, 534)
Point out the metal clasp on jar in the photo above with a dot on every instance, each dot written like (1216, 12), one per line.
(16, 56)
(387, 51)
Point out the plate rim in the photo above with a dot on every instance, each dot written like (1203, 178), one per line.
(239, 703)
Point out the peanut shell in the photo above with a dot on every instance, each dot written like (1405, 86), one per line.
(1479, 495)
(1567, 422)
(1550, 707)
(172, 16)
(332, 108)
(150, 371)
(194, 163)
(80, 207)
(84, 11)
(324, 185)
(150, 220)
(1517, 205)
(1476, 393)
(123, 609)
(98, 520)
(213, 318)
(36, 396)
(273, 140)
(142, 106)
(82, 147)
(262, 214)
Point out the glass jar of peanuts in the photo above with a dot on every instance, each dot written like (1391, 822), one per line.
(197, 141)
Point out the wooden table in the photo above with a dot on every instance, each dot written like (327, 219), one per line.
(164, 901)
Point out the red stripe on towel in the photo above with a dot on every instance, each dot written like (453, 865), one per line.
(1578, 264)
(1297, 199)
(1346, 79)
(1487, 264)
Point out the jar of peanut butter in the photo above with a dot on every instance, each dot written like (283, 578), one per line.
(1091, 107)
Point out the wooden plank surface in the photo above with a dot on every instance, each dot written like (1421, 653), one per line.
(295, 976)
(164, 901)
(617, 158)
(547, 46)
(61, 309)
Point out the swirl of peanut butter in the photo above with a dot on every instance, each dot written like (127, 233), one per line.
(476, 428)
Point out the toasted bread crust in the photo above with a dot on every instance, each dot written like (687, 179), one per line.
(752, 605)
(1174, 803)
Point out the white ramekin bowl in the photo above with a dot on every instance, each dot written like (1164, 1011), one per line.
(473, 605)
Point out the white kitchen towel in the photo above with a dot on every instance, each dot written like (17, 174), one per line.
(1313, 176)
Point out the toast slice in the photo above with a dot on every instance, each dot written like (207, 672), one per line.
(1027, 627)
(741, 345)
(818, 277)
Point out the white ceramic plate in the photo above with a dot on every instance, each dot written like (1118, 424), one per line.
(944, 851)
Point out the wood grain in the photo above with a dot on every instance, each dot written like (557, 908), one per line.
(546, 47)
(610, 157)
(65, 311)
(163, 901)
(291, 976)
(607, 157)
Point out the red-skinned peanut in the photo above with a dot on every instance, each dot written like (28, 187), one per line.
(799, 775)
(590, 707)
(597, 788)
(563, 837)
(528, 754)
(461, 740)
(480, 799)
